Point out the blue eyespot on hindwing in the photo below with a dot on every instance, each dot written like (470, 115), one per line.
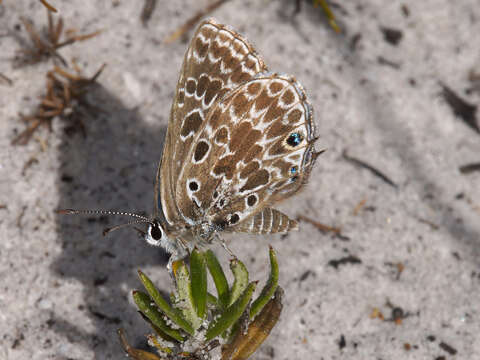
(294, 139)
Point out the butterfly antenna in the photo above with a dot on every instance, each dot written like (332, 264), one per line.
(140, 219)
(130, 223)
(101, 212)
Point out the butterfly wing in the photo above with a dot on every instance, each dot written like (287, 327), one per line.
(256, 147)
(217, 61)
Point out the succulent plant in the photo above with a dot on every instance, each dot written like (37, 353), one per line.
(197, 325)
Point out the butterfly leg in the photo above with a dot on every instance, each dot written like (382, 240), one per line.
(224, 244)
(178, 252)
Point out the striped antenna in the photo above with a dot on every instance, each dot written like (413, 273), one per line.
(140, 219)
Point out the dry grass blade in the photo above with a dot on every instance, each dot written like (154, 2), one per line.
(328, 13)
(147, 11)
(6, 79)
(193, 21)
(369, 167)
(359, 206)
(469, 168)
(320, 226)
(40, 50)
(46, 46)
(54, 32)
(466, 111)
(37, 41)
(48, 6)
(86, 36)
(326, 10)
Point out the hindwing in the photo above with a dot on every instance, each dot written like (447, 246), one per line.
(255, 147)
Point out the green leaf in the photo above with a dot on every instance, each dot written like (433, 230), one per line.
(198, 275)
(157, 329)
(212, 300)
(163, 305)
(184, 300)
(231, 314)
(240, 282)
(269, 288)
(219, 278)
(144, 303)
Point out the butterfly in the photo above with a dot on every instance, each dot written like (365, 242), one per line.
(239, 139)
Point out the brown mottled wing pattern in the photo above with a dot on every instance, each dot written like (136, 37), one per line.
(255, 147)
(217, 61)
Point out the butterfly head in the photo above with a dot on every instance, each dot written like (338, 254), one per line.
(156, 233)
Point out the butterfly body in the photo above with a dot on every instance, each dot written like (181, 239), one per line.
(239, 140)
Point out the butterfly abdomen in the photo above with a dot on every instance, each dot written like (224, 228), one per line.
(268, 221)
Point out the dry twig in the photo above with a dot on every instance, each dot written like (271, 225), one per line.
(46, 45)
(147, 11)
(320, 226)
(189, 24)
(48, 6)
(369, 167)
(64, 95)
(6, 79)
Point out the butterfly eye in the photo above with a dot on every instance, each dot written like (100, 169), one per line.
(156, 231)
(294, 139)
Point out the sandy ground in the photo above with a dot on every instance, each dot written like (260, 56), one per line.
(415, 246)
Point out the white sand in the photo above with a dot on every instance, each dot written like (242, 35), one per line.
(65, 289)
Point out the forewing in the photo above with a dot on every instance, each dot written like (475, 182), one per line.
(255, 148)
(217, 61)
